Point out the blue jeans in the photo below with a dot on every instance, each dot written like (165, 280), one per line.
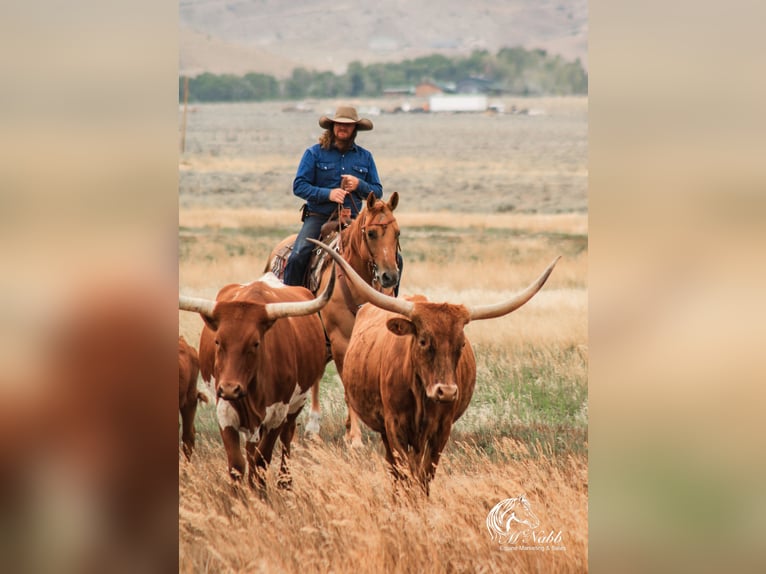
(295, 270)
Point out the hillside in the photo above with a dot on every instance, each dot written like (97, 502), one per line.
(273, 36)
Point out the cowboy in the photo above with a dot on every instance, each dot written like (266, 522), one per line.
(334, 172)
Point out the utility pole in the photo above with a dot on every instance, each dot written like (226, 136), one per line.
(183, 121)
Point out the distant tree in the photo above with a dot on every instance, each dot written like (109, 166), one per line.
(297, 86)
(514, 69)
(356, 75)
(263, 87)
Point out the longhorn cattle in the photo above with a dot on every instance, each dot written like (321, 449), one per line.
(410, 370)
(369, 245)
(188, 397)
(263, 345)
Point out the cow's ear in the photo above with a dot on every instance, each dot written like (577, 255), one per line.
(267, 325)
(211, 322)
(400, 326)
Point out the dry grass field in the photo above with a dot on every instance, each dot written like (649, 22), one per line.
(526, 429)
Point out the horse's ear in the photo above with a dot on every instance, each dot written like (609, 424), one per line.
(394, 201)
(371, 200)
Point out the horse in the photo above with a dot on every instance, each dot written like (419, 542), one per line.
(369, 244)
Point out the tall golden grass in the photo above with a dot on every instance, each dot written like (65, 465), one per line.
(343, 514)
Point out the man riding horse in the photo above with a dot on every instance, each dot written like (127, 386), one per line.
(334, 175)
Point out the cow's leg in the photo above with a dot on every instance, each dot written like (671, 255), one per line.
(286, 437)
(312, 428)
(434, 450)
(230, 437)
(391, 459)
(259, 456)
(187, 425)
(396, 451)
(420, 464)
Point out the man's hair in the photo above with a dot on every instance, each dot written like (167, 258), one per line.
(327, 139)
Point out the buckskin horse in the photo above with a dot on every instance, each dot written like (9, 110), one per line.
(369, 244)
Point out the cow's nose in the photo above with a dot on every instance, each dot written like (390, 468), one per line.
(234, 391)
(445, 393)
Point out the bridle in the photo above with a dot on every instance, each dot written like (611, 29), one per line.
(372, 265)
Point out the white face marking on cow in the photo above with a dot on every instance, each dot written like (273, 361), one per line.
(297, 400)
(275, 415)
(227, 416)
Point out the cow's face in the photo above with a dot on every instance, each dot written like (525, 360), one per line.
(437, 344)
(238, 330)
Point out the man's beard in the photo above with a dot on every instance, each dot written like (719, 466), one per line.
(343, 145)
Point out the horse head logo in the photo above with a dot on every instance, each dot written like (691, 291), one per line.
(511, 518)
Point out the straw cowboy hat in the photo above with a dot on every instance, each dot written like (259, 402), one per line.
(345, 115)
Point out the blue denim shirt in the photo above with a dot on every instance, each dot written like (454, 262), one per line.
(320, 170)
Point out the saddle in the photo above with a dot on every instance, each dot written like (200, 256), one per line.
(319, 257)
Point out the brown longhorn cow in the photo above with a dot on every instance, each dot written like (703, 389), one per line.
(369, 245)
(188, 397)
(263, 345)
(410, 370)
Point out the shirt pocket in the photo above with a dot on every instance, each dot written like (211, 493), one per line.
(361, 171)
(326, 167)
(327, 174)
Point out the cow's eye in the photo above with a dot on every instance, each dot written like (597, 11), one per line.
(256, 344)
(423, 343)
(217, 342)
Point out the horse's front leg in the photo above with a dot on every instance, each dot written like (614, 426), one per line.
(312, 427)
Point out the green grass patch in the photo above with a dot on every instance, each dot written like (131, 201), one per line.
(536, 397)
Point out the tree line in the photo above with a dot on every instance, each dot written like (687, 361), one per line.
(512, 71)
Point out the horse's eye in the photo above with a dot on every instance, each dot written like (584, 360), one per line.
(371, 234)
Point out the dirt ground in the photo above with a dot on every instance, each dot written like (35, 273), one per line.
(245, 155)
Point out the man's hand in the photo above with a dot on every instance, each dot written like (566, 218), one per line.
(338, 195)
(349, 182)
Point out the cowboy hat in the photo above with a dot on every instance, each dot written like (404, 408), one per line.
(346, 115)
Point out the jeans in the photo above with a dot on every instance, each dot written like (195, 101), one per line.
(295, 270)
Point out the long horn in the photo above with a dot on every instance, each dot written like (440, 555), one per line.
(196, 304)
(276, 311)
(505, 307)
(367, 293)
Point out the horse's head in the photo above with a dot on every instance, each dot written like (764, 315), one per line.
(510, 518)
(523, 513)
(374, 239)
